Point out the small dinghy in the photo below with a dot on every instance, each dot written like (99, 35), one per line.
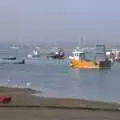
(11, 60)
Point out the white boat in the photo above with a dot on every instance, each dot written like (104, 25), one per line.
(113, 54)
(35, 53)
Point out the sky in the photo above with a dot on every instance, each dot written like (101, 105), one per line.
(60, 20)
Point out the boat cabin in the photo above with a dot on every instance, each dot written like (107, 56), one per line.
(101, 57)
(78, 54)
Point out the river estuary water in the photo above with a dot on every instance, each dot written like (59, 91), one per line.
(56, 79)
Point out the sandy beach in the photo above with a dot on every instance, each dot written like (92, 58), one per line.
(25, 96)
(24, 105)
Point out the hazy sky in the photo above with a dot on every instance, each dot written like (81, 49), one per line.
(59, 20)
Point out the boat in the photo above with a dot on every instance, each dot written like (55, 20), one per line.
(56, 53)
(18, 61)
(9, 58)
(116, 53)
(15, 47)
(9, 61)
(110, 55)
(113, 54)
(79, 61)
(35, 53)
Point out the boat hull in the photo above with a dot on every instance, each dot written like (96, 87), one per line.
(82, 64)
(12, 61)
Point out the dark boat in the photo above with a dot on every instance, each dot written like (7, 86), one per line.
(18, 62)
(9, 61)
(56, 54)
(10, 58)
(101, 57)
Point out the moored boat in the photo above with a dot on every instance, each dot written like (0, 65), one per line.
(9, 58)
(35, 53)
(8, 61)
(113, 55)
(79, 61)
(56, 53)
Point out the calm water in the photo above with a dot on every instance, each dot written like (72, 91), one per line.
(55, 79)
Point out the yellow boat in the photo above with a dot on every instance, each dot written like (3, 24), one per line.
(78, 60)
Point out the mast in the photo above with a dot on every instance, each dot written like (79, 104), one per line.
(81, 41)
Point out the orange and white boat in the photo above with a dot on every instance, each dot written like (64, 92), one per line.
(79, 61)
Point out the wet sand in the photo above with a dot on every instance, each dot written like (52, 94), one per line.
(36, 108)
(23, 96)
(56, 114)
